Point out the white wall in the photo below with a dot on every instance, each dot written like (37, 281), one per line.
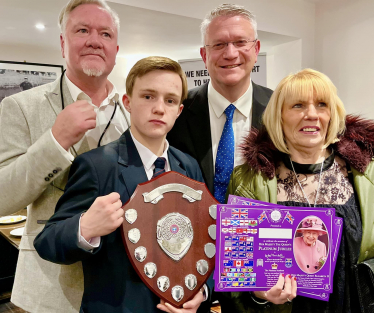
(344, 51)
(294, 18)
(283, 60)
(31, 54)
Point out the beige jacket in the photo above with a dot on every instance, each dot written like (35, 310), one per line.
(33, 173)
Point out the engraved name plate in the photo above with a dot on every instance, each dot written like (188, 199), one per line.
(212, 231)
(150, 269)
(177, 292)
(131, 215)
(202, 267)
(140, 253)
(190, 281)
(210, 250)
(163, 283)
(134, 235)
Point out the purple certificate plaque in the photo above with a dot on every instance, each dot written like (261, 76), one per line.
(257, 244)
(336, 238)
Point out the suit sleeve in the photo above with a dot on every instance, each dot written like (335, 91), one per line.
(58, 241)
(24, 163)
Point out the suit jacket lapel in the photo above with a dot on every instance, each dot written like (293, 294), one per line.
(259, 102)
(132, 169)
(54, 98)
(199, 127)
(175, 164)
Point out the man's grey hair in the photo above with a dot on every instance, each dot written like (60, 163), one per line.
(228, 10)
(72, 4)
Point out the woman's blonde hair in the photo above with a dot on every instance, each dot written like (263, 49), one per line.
(299, 87)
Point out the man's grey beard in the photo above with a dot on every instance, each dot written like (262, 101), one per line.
(92, 72)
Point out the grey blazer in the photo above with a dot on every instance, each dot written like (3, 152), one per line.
(33, 173)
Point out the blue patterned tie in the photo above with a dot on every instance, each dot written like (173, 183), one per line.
(225, 157)
(159, 167)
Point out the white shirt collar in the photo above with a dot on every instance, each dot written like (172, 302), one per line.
(219, 103)
(77, 94)
(147, 156)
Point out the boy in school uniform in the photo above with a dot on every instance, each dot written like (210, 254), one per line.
(86, 224)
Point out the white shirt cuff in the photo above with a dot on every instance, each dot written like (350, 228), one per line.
(83, 243)
(68, 156)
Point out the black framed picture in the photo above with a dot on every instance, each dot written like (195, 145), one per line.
(19, 76)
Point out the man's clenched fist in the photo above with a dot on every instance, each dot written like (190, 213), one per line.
(103, 217)
(73, 122)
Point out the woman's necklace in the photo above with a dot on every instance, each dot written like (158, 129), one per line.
(301, 187)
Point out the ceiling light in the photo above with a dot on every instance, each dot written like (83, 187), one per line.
(40, 26)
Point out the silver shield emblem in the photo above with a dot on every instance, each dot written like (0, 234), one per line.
(210, 250)
(150, 269)
(174, 235)
(190, 281)
(134, 235)
(177, 292)
(202, 267)
(131, 215)
(140, 253)
(212, 231)
(213, 211)
(163, 283)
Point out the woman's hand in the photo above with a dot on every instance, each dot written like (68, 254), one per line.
(189, 307)
(283, 291)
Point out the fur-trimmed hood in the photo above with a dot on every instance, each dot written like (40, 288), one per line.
(356, 147)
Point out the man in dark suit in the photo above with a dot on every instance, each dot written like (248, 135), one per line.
(230, 50)
(86, 224)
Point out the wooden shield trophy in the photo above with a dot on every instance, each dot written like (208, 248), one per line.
(169, 234)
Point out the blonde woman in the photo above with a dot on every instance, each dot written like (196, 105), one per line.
(309, 153)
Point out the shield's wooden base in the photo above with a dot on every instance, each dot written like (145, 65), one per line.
(148, 216)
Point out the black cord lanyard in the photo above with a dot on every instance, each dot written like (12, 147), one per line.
(111, 118)
(107, 125)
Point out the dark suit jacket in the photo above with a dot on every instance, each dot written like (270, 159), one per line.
(191, 132)
(110, 282)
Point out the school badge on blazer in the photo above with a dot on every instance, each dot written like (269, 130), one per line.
(169, 234)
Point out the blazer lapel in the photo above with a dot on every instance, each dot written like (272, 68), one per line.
(54, 96)
(132, 169)
(199, 128)
(259, 103)
(175, 164)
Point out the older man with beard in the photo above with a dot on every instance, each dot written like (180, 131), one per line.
(43, 130)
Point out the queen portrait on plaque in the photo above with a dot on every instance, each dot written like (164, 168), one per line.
(310, 253)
